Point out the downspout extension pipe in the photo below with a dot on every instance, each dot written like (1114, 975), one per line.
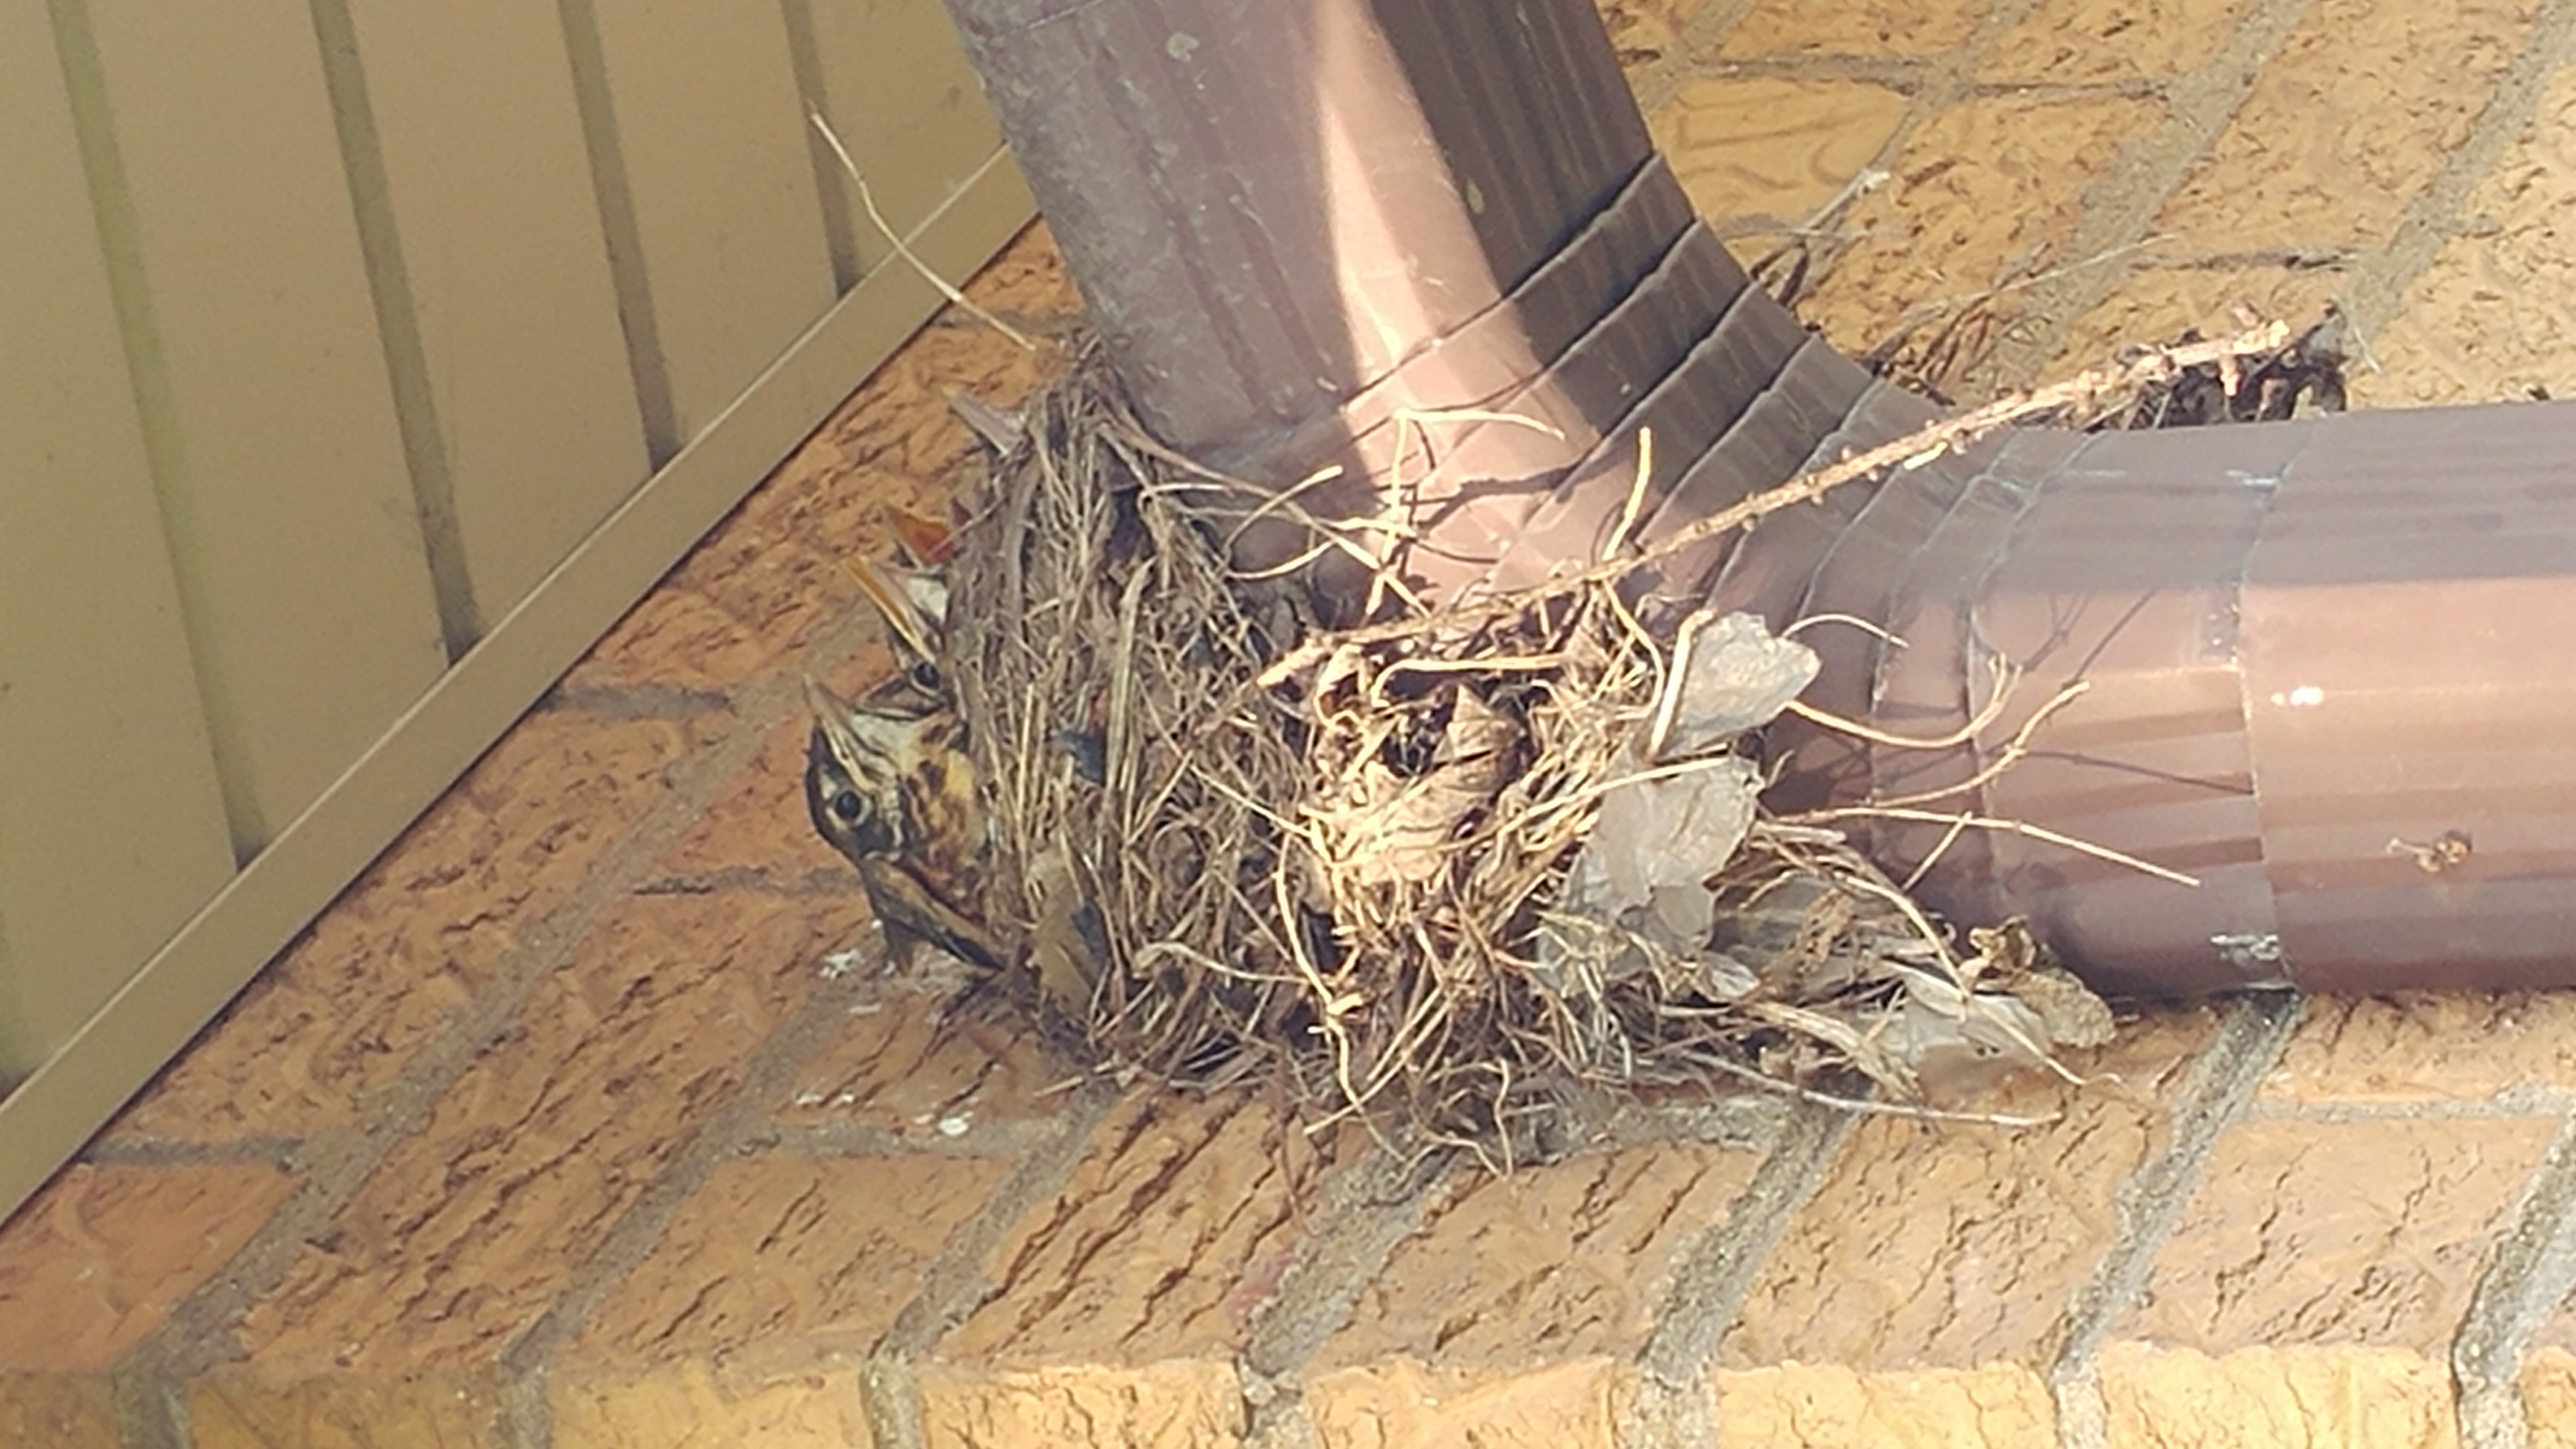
(2324, 670)
(2319, 660)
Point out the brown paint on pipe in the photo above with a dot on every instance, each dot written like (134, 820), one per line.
(2322, 670)
(2320, 660)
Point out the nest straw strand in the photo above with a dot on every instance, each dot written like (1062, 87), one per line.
(1229, 844)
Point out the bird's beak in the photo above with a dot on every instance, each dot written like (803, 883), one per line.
(831, 713)
(902, 606)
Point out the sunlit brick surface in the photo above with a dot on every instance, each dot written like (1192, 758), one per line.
(593, 1117)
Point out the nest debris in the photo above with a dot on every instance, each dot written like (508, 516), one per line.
(1382, 866)
(1940, 344)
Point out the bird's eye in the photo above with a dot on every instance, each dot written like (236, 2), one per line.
(847, 806)
(924, 676)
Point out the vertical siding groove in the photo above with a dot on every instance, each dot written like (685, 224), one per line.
(805, 56)
(897, 89)
(12, 1072)
(146, 362)
(715, 162)
(433, 484)
(260, 603)
(617, 224)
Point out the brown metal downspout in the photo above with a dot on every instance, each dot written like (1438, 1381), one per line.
(1313, 232)
(2325, 670)
(2318, 658)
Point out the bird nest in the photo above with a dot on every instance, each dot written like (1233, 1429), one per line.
(1456, 870)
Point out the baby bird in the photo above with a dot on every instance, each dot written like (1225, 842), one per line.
(890, 784)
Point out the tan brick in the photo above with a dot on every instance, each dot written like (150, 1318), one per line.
(1813, 1406)
(1987, 191)
(2428, 1047)
(1866, 27)
(427, 1411)
(2157, 305)
(1405, 1404)
(678, 639)
(898, 424)
(1758, 152)
(2350, 119)
(334, 1020)
(1563, 1261)
(779, 1250)
(1645, 31)
(58, 1411)
(2292, 1396)
(781, 565)
(757, 821)
(2494, 316)
(1177, 1404)
(100, 1255)
(1027, 278)
(690, 1404)
(2486, 322)
(2367, 1233)
(2549, 1372)
(1944, 1245)
(906, 1066)
(2549, 1397)
(1162, 1243)
(754, 591)
(468, 1230)
(2083, 42)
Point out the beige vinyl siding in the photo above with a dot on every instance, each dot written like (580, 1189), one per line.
(487, 194)
(360, 363)
(111, 819)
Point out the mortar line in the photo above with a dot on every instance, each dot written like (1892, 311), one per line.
(720, 1136)
(340, 1163)
(640, 700)
(821, 884)
(258, 1150)
(199, 1332)
(1950, 78)
(2147, 1206)
(148, 1412)
(2380, 285)
(1372, 1207)
(988, 1142)
(2288, 259)
(891, 1398)
(1366, 1213)
(1746, 1120)
(436, 1065)
(1937, 83)
(2530, 1274)
(2511, 1104)
(1905, 73)
(2117, 211)
(1693, 45)
(1712, 1277)
(953, 1284)
(2127, 88)
(527, 1422)
(1928, 83)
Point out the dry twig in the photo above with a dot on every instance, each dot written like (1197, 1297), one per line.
(1229, 840)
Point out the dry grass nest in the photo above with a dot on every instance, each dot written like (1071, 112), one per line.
(1384, 866)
